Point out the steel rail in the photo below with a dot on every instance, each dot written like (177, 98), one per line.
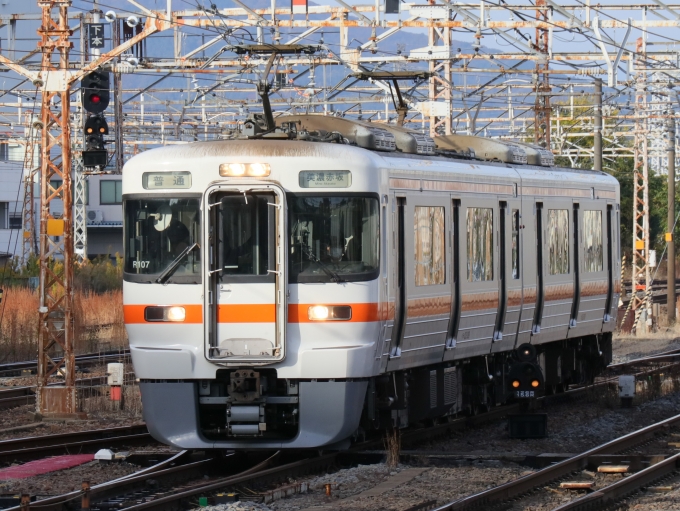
(253, 475)
(36, 447)
(608, 495)
(86, 359)
(526, 484)
(25, 395)
(165, 469)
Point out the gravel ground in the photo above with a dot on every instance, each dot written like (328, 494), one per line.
(572, 428)
(627, 348)
(23, 415)
(442, 484)
(652, 501)
(63, 481)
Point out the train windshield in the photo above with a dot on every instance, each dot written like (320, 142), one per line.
(161, 237)
(333, 238)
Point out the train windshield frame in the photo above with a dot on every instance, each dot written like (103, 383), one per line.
(333, 237)
(157, 232)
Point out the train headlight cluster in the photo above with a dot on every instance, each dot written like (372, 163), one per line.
(245, 169)
(165, 313)
(329, 313)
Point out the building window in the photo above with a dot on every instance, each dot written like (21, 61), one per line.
(4, 209)
(15, 221)
(479, 244)
(592, 235)
(558, 241)
(4, 152)
(429, 246)
(515, 244)
(111, 192)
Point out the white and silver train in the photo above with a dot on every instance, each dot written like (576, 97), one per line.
(300, 288)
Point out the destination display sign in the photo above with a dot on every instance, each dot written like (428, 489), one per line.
(325, 179)
(166, 180)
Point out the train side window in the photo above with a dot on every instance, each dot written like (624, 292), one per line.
(592, 241)
(558, 241)
(428, 223)
(479, 244)
(515, 244)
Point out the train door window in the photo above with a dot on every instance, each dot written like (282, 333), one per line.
(479, 244)
(592, 241)
(558, 241)
(429, 246)
(515, 244)
(245, 233)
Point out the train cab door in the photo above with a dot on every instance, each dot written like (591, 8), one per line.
(246, 276)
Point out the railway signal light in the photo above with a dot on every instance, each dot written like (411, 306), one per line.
(94, 152)
(95, 97)
(94, 92)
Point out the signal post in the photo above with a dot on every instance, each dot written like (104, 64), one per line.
(54, 81)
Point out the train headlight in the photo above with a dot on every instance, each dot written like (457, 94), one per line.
(329, 313)
(515, 383)
(535, 383)
(245, 169)
(318, 312)
(165, 313)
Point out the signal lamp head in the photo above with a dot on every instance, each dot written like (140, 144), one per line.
(515, 383)
(89, 130)
(535, 383)
(95, 98)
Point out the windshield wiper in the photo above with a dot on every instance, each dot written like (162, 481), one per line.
(333, 275)
(172, 267)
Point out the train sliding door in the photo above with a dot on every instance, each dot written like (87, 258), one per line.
(422, 290)
(479, 277)
(593, 268)
(509, 276)
(556, 270)
(246, 276)
(613, 268)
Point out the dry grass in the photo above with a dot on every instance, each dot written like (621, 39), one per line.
(663, 332)
(392, 442)
(99, 320)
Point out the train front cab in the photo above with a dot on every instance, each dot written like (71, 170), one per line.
(260, 331)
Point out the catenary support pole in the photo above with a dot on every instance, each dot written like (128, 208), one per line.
(671, 220)
(597, 126)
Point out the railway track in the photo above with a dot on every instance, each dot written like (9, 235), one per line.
(518, 488)
(133, 492)
(36, 447)
(19, 396)
(178, 482)
(84, 360)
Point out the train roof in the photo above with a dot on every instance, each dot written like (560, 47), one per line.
(174, 157)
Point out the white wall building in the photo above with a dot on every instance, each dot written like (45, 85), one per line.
(103, 206)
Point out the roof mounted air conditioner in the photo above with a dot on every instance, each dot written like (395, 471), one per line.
(484, 148)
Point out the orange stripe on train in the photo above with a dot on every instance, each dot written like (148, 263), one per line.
(254, 313)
